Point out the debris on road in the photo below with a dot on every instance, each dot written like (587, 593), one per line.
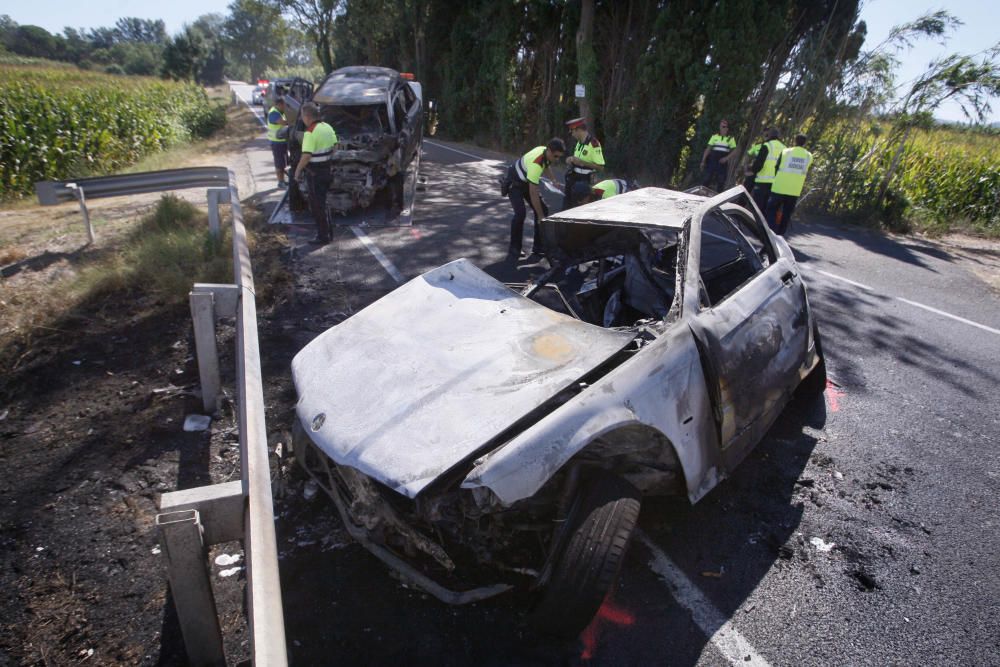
(197, 423)
(821, 546)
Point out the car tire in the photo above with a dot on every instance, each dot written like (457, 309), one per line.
(814, 384)
(602, 524)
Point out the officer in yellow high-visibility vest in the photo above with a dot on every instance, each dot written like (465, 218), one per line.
(610, 188)
(524, 177)
(793, 165)
(318, 146)
(586, 160)
(279, 144)
(715, 159)
(764, 167)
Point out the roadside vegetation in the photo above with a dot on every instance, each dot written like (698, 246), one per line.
(152, 266)
(947, 179)
(58, 122)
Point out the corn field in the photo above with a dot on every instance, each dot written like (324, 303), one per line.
(58, 123)
(945, 177)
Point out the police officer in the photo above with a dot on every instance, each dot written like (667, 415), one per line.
(279, 144)
(793, 165)
(525, 176)
(587, 158)
(715, 159)
(764, 167)
(610, 188)
(318, 145)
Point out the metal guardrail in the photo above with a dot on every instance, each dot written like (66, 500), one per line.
(191, 520)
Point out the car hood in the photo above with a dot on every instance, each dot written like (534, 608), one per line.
(423, 378)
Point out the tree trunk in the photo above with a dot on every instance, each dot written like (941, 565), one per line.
(586, 59)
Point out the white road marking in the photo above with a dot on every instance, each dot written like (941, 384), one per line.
(389, 267)
(907, 301)
(720, 631)
(545, 181)
(477, 157)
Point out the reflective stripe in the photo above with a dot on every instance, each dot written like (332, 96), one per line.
(320, 157)
(519, 169)
(585, 172)
(721, 144)
(766, 173)
(611, 187)
(529, 162)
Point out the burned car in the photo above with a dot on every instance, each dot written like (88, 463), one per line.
(478, 437)
(377, 115)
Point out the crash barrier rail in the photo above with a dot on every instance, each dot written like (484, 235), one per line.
(193, 519)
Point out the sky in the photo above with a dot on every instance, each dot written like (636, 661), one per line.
(978, 33)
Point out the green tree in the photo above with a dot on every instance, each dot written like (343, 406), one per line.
(184, 56)
(315, 18)
(255, 35)
(146, 31)
(211, 28)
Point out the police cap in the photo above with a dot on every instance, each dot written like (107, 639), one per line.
(577, 123)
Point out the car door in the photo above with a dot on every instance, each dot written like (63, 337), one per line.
(752, 328)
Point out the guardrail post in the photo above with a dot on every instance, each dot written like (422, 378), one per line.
(187, 568)
(83, 210)
(203, 315)
(216, 196)
(209, 302)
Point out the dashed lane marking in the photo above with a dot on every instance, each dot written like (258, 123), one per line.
(720, 631)
(916, 304)
(389, 267)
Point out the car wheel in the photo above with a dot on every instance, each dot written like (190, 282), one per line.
(602, 524)
(815, 383)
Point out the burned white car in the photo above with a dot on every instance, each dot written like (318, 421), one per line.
(479, 437)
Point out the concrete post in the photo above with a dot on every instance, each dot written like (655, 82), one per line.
(203, 315)
(190, 586)
(216, 196)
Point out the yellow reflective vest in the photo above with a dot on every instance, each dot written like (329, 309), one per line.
(610, 188)
(792, 169)
(272, 128)
(766, 173)
(319, 141)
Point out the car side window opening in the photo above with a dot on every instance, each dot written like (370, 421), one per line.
(728, 260)
(745, 223)
(409, 96)
(399, 112)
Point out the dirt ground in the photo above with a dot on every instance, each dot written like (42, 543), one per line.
(93, 398)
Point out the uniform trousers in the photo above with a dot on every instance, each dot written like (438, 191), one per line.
(779, 212)
(319, 179)
(519, 196)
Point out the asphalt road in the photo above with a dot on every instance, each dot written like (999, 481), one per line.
(862, 530)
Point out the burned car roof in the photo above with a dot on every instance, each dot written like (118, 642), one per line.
(646, 207)
(356, 85)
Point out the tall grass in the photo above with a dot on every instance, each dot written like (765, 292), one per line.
(946, 178)
(58, 122)
(169, 251)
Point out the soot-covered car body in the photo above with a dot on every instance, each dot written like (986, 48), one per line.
(378, 117)
(462, 425)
